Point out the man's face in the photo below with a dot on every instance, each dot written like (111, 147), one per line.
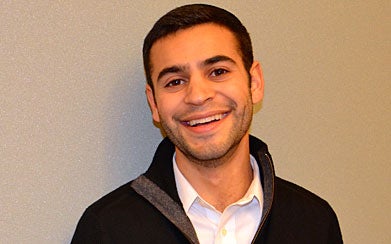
(203, 96)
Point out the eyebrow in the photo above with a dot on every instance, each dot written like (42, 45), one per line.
(216, 59)
(182, 68)
(172, 69)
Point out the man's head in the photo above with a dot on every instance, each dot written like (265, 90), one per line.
(200, 88)
(191, 15)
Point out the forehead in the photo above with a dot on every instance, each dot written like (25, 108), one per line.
(193, 45)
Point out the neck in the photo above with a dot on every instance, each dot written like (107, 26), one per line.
(224, 184)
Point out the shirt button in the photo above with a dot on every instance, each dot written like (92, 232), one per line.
(224, 232)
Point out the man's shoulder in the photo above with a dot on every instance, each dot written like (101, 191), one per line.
(300, 204)
(115, 201)
(300, 216)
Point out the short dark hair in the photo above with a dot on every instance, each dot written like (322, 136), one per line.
(195, 14)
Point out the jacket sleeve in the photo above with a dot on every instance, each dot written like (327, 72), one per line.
(89, 230)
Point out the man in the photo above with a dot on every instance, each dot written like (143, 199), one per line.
(210, 181)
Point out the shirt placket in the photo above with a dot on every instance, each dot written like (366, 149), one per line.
(225, 233)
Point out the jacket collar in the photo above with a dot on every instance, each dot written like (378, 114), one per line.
(162, 174)
(158, 186)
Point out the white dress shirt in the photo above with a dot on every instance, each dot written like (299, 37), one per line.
(239, 221)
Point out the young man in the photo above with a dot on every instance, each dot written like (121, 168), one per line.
(210, 181)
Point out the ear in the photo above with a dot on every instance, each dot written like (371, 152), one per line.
(152, 103)
(257, 82)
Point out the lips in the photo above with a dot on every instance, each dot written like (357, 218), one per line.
(205, 120)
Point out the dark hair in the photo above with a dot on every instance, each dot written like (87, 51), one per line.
(194, 14)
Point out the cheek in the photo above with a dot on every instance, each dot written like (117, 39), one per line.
(165, 106)
(238, 94)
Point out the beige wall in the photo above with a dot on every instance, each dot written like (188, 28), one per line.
(74, 123)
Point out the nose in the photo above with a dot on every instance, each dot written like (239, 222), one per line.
(199, 91)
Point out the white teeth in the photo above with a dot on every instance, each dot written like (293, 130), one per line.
(206, 120)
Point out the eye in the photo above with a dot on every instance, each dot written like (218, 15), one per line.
(174, 83)
(218, 72)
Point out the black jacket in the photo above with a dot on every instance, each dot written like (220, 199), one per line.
(148, 209)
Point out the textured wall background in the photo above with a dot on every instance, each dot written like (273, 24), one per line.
(74, 123)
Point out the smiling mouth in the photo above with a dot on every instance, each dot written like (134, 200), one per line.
(207, 120)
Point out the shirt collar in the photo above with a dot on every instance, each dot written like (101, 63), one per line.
(188, 195)
(186, 192)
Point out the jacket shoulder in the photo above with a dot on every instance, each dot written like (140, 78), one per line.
(91, 227)
(300, 216)
(300, 203)
(295, 193)
(114, 199)
(123, 216)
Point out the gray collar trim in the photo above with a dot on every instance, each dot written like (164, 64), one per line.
(166, 205)
(268, 187)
